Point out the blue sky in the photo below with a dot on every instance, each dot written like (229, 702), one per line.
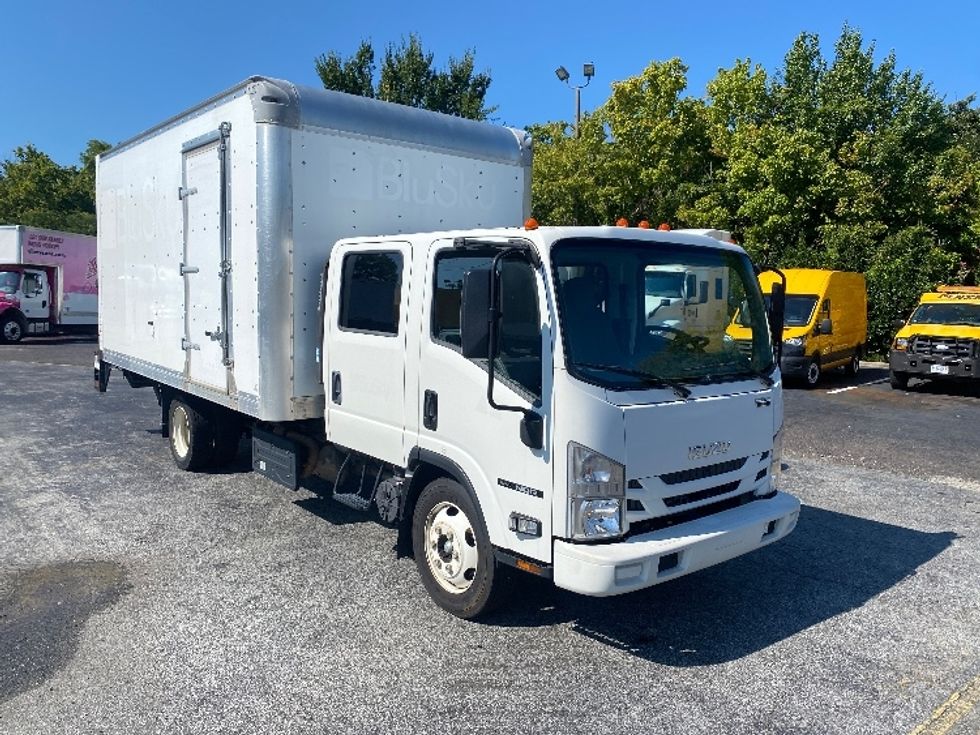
(71, 71)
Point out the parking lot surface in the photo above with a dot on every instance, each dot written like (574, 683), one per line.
(138, 598)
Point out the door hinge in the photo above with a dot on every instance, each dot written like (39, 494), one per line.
(185, 269)
(184, 192)
(225, 268)
(216, 336)
(186, 344)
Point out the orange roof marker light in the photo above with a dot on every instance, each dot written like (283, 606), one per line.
(663, 227)
(530, 224)
(622, 222)
(643, 224)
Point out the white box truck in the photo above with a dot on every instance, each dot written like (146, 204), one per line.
(492, 390)
(47, 282)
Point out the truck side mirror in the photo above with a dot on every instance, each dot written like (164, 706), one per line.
(826, 327)
(532, 430)
(898, 324)
(777, 316)
(474, 314)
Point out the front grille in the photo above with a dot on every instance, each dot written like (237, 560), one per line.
(711, 492)
(655, 524)
(699, 473)
(744, 346)
(943, 346)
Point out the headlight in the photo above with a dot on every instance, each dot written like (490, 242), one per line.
(901, 343)
(775, 466)
(795, 342)
(596, 494)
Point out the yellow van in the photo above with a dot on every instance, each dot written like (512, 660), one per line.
(941, 340)
(826, 324)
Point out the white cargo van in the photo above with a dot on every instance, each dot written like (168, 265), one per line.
(493, 390)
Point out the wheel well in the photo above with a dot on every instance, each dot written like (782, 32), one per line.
(426, 467)
(15, 313)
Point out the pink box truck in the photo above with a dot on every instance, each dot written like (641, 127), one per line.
(48, 282)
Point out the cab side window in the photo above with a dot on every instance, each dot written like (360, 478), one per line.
(371, 292)
(519, 360)
(32, 284)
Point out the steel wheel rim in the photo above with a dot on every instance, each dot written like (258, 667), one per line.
(813, 373)
(180, 432)
(855, 363)
(450, 547)
(11, 330)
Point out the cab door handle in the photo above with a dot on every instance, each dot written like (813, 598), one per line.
(430, 410)
(335, 387)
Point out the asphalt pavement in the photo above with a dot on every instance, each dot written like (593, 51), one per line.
(138, 598)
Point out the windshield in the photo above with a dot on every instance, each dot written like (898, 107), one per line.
(619, 335)
(799, 310)
(9, 281)
(961, 314)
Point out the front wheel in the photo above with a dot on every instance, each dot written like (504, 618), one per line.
(453, 552)
(898, 381)
(12, 329)
(813, 373)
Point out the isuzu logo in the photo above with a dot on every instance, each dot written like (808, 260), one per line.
(942, 347)
(701, 451)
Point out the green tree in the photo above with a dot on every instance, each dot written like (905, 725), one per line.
(34, 190)
(408, 76)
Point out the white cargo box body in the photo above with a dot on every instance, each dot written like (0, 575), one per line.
(215, 227)
(71, 255)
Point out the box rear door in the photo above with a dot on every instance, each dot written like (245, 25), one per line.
(206, 266)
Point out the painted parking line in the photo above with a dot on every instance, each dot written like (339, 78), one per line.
(859, 385)
(957, 706)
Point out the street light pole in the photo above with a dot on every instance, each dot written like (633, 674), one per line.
(588, 71)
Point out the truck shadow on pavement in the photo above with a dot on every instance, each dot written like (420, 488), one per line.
(831, 564)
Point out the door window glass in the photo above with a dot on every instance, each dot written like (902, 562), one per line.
(370, 292)
(32, 283)
(519, 360)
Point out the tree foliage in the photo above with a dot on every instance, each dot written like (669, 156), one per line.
(36, 191)
(843, 162)
(408, 76)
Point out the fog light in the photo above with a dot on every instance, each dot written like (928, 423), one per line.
(524, 525)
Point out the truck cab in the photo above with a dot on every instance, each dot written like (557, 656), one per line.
(940, 340)
(540, 420)
(25, 302)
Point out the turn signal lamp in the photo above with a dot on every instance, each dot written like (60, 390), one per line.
(664, 227)
(622, 222)
(530, 224)
(643, 224)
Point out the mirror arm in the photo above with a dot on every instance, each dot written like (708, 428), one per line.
(494, 316)
(777, 339)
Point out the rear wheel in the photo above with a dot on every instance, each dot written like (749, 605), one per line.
(853, 366)
(191, 436)
(453, 552)
(12, 328)
(812, 373)
(899, 381)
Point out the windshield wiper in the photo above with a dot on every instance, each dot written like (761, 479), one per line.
(652, 378)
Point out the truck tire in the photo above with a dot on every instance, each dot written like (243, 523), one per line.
(191, 436)
(12, 328)
(453, 552)
(898, 381)
(813, 373)
(851, 369)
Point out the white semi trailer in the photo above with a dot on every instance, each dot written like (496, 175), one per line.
(491, 389)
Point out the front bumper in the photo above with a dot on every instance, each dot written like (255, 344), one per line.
(921, 366)
(643, 561)
(794, 366)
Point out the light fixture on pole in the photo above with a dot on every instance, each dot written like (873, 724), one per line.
(588, 71)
